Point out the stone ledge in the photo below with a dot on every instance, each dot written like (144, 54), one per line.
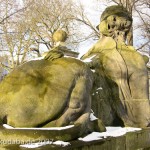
(129, 141)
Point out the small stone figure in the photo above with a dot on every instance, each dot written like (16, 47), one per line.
(59, 37)
(123, 65)
(60, 49)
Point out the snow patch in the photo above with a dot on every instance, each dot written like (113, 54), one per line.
(53, 128)
(100, 88)
(92, 117)
(89, 59)
(91, 137)
(71, 57)
(110, 132)
(61, 143)
(7, 126)
(36, 145)
(92, 70)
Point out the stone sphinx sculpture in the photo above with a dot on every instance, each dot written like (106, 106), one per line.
(122, 65)
(52, 92)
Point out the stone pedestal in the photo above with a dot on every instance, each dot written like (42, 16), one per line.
(130, 141)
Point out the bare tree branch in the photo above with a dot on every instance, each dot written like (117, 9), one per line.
(143, 45)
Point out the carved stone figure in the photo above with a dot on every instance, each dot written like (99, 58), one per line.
(50, 92)
(60, 49)
(122, 65)
(42, 93)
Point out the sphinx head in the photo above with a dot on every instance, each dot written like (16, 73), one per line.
(115, 22)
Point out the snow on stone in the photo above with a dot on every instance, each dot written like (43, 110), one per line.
(39, 144)
(53, 128)
(71, 57)
(89, 59)
(92, 117)
(91, 137)
(36, 145)
(110, 132)
(92, 70)
(100, 88)
(7, 126)
(61, 143)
